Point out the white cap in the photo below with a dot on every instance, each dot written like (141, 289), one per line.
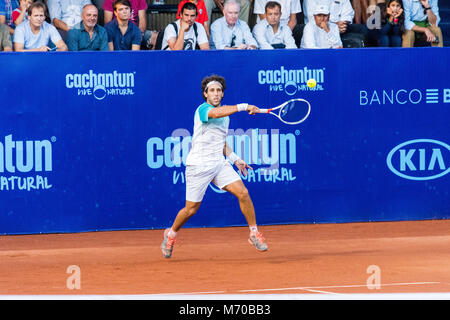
(321, 9)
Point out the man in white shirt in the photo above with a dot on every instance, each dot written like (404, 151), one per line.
(229, 32)
(269, 33)
(206, 163)
(185, 33)
(35, 34)
(341, 14)
(289, 10)
(319, 33)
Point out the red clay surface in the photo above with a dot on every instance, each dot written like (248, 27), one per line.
(332, 258)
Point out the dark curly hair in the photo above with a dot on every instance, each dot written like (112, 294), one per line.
(213, 77)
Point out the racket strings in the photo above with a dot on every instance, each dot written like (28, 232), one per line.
(294, 111)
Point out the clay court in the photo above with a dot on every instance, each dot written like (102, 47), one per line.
(412, 257)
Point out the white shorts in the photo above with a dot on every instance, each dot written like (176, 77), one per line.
(198, 179)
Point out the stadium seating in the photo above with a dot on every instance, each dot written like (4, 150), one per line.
(160, 16)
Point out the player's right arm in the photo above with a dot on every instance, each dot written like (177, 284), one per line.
(225, 111)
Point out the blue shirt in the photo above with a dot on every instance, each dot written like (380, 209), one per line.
(123, 42)
(79, 40)
(47, 32)
(414, 12)
(6, 9)
(224, 35)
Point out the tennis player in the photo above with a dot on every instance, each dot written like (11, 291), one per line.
(205, 163)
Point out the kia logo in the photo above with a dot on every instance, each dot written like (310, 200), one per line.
(420, 159)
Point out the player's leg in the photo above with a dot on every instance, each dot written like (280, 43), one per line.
(170, 234)
(238, 189)
(197, 181)
(185, 214)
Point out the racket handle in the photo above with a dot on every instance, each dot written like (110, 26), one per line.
(264, 110)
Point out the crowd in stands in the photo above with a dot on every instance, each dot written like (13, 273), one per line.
(61, 25)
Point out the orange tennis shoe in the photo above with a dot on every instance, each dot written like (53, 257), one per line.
(257, 240)
(167, 244)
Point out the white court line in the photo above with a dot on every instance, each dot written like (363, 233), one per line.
(247, 295)
(240, 297)
(188, 293)
(320, 291)
(336, 287)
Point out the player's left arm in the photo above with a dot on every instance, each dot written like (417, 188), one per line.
(234, 158)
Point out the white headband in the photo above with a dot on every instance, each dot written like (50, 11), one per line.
(211, 83)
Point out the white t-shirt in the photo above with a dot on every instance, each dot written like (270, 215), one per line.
(315, 37)
(190, 40)
(340, 10)
(288, 7)
(23, 34)
(208, 139)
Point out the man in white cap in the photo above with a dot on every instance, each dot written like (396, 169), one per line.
(353, 35)
(319, 33)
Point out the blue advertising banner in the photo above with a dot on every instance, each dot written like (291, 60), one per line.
(98, 141)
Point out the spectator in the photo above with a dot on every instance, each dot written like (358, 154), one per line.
(5, 38)
(6, 9)
(88, 36)
(65, 14)
(319, 33)
(289, 10)
(202, 15)
(422, 17)
(341, 14)
(229, 32)
(20, 13)
(36, 34)
(185, 33)
(122, 33)
(244, 13)
(392, 25)
(269, 33)
(138, 13)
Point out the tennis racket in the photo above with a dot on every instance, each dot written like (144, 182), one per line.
(294, 111)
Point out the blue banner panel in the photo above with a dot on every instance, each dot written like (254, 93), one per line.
(98, 141)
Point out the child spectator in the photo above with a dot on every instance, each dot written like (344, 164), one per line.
(20, 13)
(393, 25)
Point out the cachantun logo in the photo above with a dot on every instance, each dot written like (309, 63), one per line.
(100, 85)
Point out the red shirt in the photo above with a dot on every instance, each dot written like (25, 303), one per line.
(136, 5)
(202, 15)
(15, 14)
